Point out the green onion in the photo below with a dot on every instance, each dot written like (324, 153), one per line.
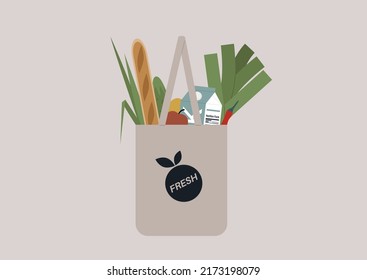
(249, 91)
(131, 88)
(213, 75)
(241, 78)
(228, 71)
(243, 57)
(126, 106)
(247, 73)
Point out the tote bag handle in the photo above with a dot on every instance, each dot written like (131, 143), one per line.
(181, 51)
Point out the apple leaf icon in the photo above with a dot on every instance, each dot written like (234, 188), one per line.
(165, 162)
(178, 157)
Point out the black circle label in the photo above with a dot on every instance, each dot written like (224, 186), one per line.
(184, 183)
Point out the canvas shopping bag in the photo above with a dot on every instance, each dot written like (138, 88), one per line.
(181, 170)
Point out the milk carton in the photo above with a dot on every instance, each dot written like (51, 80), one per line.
(210, 108)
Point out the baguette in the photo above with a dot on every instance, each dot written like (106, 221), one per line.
(147, 96)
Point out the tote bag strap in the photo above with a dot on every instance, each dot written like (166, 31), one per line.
(181, 51)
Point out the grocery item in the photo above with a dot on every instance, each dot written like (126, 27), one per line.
(210, 107)
(228, 114)
(241, 78)
(136, 115)
(159, 91)
(147, 96)
(175, 105)
(228, 72)
(213, 111)
(174, 117)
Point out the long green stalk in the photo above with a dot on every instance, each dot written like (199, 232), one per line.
(213, 74)
(247, 73)
(243, 57)
(131, 87)
(249, 91)
(126, 106)
(228, 71)
(159, 92)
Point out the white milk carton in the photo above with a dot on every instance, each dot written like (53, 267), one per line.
(210, 108)
(213, 111)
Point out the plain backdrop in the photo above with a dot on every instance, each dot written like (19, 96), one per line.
(297, 183)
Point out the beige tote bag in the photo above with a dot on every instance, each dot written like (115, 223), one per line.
(181, 170)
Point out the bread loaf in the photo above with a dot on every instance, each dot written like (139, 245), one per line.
(147, 97)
